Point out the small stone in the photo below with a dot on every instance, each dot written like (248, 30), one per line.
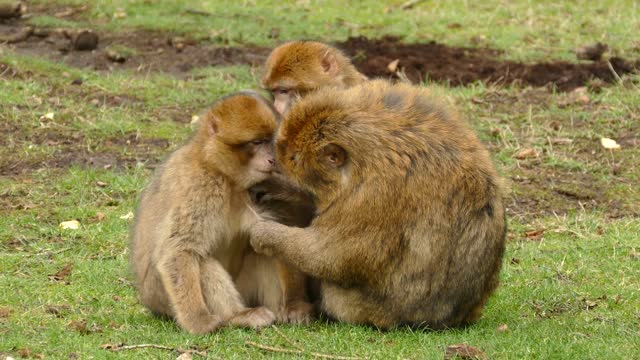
(85, 40)
(115, 56)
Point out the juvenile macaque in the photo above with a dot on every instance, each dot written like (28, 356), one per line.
(410, 225)
(190, 246)
(295, 68)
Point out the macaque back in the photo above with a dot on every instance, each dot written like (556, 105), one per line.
(410, 226)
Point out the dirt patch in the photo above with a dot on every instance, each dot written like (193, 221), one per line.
(150, 51)
(461, 66)
(72, 150)
(570, 172)
(143, 51)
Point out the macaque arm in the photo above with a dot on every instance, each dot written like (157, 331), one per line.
(303, 248)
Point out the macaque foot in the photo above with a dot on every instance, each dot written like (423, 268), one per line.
(298, 313)
(201, 324)
(254, 318)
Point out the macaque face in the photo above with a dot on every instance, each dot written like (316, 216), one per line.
(282, 99)
(262, 163)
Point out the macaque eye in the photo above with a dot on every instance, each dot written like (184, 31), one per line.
(258, 142)
(281, 91)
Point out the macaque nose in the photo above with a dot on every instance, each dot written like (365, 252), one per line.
(271, 162)
(281, 106)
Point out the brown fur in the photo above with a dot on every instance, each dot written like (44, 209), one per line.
(190, 252)
(410, 226)
(296, 68)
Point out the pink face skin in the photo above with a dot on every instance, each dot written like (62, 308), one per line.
(263, 161)
(282, 100)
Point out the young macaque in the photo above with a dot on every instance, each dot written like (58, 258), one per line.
(410, 225)
(190, 246)
(295, 68)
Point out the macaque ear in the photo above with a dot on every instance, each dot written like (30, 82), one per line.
(334, 155)
(329, 62)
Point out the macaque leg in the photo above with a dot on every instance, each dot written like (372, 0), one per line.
(153, 295)
(266, 281)
(181, 276)
(351, 306)
(222, 298)
(307, 250)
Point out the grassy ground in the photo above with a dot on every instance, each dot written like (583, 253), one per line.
(570, 285)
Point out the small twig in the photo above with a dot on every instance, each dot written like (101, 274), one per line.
(403, 76)
(409, 4)
(198, 12)
(115, 347)
(291, 342)
(273, 349)
(206, 13)
(300, 352)
(613, 71)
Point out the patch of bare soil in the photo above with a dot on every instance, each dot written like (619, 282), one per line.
(386, 57)
(461, 66)
(72, 150)
(541, 186)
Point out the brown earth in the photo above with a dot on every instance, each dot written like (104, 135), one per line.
(461, 66)
(153, 52)
(539, 190)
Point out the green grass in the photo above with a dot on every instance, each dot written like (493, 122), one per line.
(528, 29)
(573, 293)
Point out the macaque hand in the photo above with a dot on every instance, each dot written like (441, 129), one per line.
(264, 236)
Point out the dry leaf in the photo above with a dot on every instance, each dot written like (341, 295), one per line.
(534, 234)
(195, 119)
(24, 352)
(127, 216)
(47, 116)
(609, 143)
(63, 273)
(577, 96)
(502, 328)
(71, 225)
(526, 154)
(57, 310)
(463, 351)
(100, 216)
(393, 66)
(79, 326)
(185, 356)
(119, 14)
(4, 312)
(561, 141)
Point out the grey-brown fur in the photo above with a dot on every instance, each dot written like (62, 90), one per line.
(410, 226)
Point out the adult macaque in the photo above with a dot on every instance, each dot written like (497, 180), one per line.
(410, 226)
(190, 246)
(295, 68)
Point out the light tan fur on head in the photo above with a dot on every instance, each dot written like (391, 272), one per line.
(410, 226)
(295, 68)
